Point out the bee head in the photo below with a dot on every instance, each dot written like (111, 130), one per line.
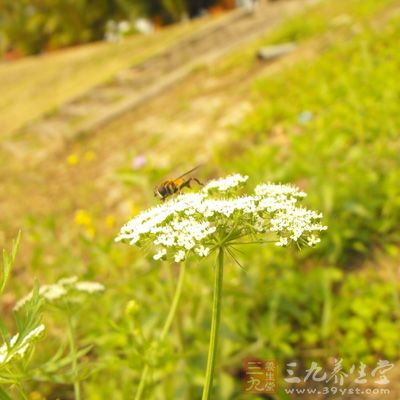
(158, 192)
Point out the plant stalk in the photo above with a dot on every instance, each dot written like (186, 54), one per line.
(77, 387)
(215, 322)
(165, 329)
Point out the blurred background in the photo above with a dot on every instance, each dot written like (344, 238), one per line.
(101, 100)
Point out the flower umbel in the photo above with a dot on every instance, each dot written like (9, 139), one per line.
(62, 288)
(199, 222)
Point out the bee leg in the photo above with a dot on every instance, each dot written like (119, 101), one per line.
(185, 184)
(196, 180)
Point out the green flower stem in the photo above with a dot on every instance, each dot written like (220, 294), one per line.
(174, 304)
(77, 388)
(166, 328)
(142, 383)
(327, 305)
(215, 321)
(21, 392)
(178, 319)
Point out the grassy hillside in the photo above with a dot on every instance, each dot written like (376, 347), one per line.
(331, 125)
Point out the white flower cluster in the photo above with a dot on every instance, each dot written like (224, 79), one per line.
(62, 288)
(115, 31)
(224, 184)
(198, 222)
(18, 348)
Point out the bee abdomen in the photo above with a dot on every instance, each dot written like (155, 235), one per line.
(171, 188)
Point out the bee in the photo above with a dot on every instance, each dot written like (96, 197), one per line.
(170, 187)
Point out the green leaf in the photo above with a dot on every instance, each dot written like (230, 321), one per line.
(4, 395)
(4, 332)
(8, 261)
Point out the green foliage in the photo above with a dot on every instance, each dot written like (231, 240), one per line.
(320, 134)
(346, 154)
(8, 261)
(331, 126)
(15, 349)
(325, 17)
(176, 8)
(33, 26)
(30, 27)
(369, 324)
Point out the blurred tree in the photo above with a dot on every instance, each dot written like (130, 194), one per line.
(32, 26)
(176, 8)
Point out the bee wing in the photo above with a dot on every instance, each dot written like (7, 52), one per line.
(190, 171)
